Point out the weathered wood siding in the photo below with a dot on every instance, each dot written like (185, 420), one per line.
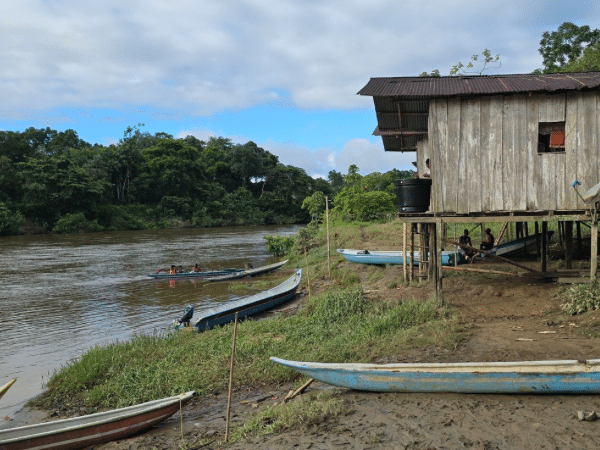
(484, 152)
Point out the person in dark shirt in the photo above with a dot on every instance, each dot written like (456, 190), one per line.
(465, 239)
(488, 240)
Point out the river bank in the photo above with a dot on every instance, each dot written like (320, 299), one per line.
(502, 318)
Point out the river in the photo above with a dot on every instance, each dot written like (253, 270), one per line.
(61, 295)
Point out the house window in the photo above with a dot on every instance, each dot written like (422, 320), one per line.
(551, 137)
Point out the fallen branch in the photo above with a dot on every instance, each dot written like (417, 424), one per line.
(298, 391)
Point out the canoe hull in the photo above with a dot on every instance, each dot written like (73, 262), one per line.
(220, 275)
(393, 257)
(82, 432)
(562, 377)
(6, 387)
(250, 305)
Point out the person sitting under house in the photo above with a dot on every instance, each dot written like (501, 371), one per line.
(465, 239)
(488, 242)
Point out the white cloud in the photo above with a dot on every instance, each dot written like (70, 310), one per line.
(205, 56)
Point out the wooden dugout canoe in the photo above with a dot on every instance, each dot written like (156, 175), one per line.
(220, 275)
(5, 388)
(393, 257)
(94, 429)
(248, 305)
(527, 377)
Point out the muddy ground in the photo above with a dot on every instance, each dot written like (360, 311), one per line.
(507, 319)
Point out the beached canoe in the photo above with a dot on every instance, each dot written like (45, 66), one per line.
(527, 377)
(247, 306)
(95, 429)
(394, 257)
(5, 388)
(220, 275)
(525, 244)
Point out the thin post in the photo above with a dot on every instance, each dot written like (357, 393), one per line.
(430, 268)
(594, 248)
(307, 274)
(537, 238)
(436, 260)
(569, 244)
(328, 247)
(544, 245)
(405, 266)
(412, 254)
(579, 243)
(422, 252)
(231, 377)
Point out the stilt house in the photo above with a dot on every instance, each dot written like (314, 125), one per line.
(500, 143)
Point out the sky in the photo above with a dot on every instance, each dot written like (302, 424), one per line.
(283, 74)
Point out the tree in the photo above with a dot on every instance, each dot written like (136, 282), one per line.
(315, 204)
(487, 59)
(588, 62)
(565, 45)
(336, 180)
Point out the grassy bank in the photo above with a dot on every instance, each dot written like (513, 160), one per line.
(340, 322)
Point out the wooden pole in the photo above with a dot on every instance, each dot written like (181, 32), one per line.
(328, 246)
(307, 275)
(412, 254)
(405, 266)
(537, 239)
(594, 248)
(438, 262)
(569, 244)
(579, 242)
(430, 272)
(544, 245)
(422, 252)
(231, 377)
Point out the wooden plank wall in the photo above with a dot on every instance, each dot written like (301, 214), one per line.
(485, 157)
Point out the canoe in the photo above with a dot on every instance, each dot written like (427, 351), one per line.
(394, 257)
(5, 388)
(248, 272)
(524, 244)
(247, 306)
(528, 377)
(95, 429)
(220, 275)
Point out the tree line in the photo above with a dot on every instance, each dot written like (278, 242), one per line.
(55, 181)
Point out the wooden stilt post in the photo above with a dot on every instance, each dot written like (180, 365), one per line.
(231, 377)
(438, 262)
(422, 252)
(544, 245)
(594, 248)
(569, 244)
(404, 256)
(430, 264)
(526, 226)
(579, 243)
(537, 239)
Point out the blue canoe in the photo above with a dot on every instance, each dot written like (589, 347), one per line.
(394, 257)
(527, 377)
(247, 306)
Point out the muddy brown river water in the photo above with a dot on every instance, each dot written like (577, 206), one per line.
(63, 294)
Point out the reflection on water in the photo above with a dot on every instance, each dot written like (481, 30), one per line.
(62, 294)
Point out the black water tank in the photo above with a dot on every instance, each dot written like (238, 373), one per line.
(413, 194)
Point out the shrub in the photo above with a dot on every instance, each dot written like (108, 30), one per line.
(279, 245)
(73, 223)
(9, 221)
(580, 298)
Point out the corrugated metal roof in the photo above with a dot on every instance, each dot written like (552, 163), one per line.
(479, 84)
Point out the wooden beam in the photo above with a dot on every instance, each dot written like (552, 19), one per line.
(594, 250)
(502, 230)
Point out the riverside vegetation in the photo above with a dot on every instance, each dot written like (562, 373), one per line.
(341, 321)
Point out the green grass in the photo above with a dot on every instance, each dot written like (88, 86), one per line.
(310, 409)
(342, 325)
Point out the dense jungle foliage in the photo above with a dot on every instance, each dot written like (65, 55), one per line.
(55, 181)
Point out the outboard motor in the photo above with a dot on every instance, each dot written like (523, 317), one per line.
(188, 312)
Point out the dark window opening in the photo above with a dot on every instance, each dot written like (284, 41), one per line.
(551, 137)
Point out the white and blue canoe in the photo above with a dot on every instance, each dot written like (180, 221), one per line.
(394, 257)
(526, 377)
(248, 306)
